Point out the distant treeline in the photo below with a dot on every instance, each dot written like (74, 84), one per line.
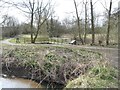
(10, 31)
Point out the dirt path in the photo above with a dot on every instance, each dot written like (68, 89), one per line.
(111, 54)
(7, 42)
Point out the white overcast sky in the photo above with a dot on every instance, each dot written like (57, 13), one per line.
(64, 8)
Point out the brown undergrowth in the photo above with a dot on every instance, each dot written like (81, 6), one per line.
(53, 64)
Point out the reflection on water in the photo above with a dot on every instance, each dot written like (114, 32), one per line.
(18, 83)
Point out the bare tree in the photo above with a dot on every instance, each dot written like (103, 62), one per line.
(10, 26)
(37, 10)
(9, 21)
(42, 15)
(78, 22)
(27, 7)
(3, 6)
(108, 12)
(32, 11)
(85, 32)
(92, 22)
(51, 27)
(108, 28)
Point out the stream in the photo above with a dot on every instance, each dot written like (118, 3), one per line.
(25, 83)
(18, 83)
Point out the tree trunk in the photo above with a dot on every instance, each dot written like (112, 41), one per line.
(92, 22)
(78, 22)
(40, 11)
(108, 29)
(85, 22)
(51, 27)
(38, 28)
(31, 27)
(32, 17)
(36, 35)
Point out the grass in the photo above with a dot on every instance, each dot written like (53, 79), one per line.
(25, 39)
(54, 61)
(41, 39)
(113, 40)
(100, 76)
(77, 68)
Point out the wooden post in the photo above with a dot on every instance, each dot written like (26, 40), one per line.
(24, 40)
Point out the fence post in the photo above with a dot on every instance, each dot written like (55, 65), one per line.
(57, 41)
(50, 40)
(61, 41)
(17, 40)
(24, 40)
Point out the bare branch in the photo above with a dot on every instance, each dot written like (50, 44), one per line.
(95, 2)
(78, 22)
(26, 5)
(104, 7)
